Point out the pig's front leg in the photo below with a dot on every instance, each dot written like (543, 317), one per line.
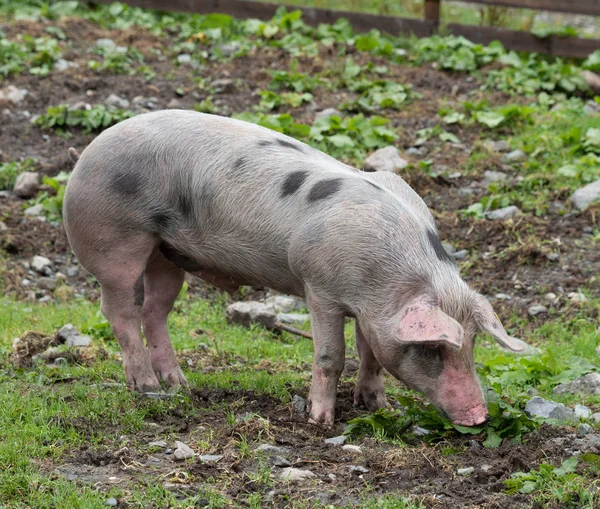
(370, 389)
(328, 361)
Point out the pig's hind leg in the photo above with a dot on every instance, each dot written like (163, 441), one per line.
(370, 389)
(162, 284)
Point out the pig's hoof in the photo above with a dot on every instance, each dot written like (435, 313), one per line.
(372, 400)
(170, 373)
(324, 419)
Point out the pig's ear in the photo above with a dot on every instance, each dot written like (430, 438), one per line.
(490, 323)
(422, 322)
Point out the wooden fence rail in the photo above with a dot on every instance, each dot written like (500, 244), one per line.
(511, 39)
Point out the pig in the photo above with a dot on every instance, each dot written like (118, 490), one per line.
(170, 192)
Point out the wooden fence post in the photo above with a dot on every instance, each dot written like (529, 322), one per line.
(432, 11)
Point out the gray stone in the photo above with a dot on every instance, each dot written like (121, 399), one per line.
(328, 112)
(504, 213)
(552, 298)
(420, 432)
(46, 283)
(465, 471)
(293, 318)
(183, 451)
(280, 461)
(72, 337)
(211, 458)
(577, 297)
(295, 474)
(114, 101)
(357, 469)
(111, 502)
(490, 177)
(244, 313)
(500, 146)
(45, 298)
(285, 303)
(460, 255)
(336, 440)
(105, 43)
(595, 417)
(537, 309)
(62, 65)
(585, 196)
(385, 159)
(35, 210)
(449, 248)
(582, 412)
(174, 104)
(3, 226)
(27, 184)
(40, 263)
(270, 449)
(592, 108)
(352, 448)
(225, 85)
(587, 384)
(13, 94)
(539, 407)
(584, 429)
(158, 443)
(299, 404)
(515, 156)
(72, 271)
(527, 348)
(25, 282)
(184, 58)
(228, 49)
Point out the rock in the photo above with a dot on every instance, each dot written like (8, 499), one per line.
(585, 196)
(460, 255)
(552, 298)
(449, 248)
(582, 412)
(183, 451)
(158, 443)
(336, 440)
(40, 263)
(72, 337)
(420, 432)
(46, 283)
(385, 159)
(114, 101)
(299, 404)
(224, 86)
(44, 299)
(184, 58)
(490, 177)
(515, 156)
(27, 184)
(504, 213)
(592, 79)
(111, 502)
(268, 448)
(280, 461)
(3, 226)
(72, 271)
(587, 384)
(527, 348)
(244, 313)
(35, 210)
(295, 474)
(285, 303)
(584, 429)
(577, 297)
(210, 458)
(293, 318)
(500, 146)
(352, 448)
(537, 309)
(539, 407)
(503, 296)
(62, 65)
(227, 49)
(328, 112)
(105, 43)
(13, 94)
(357, 469)
(595, 417)
(465, 471)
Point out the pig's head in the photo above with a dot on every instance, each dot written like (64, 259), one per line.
(433, 353)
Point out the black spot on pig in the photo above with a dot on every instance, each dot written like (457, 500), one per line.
(436, 243)
(178, 259)
(185, 205)
(126, 184)
(289, 144)
(324, 188)
(293, 182)
(424, 359)
(163, 221)
(138, 291)
(240, 164)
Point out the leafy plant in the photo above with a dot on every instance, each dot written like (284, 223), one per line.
(99, 117)
(272, 100)
(36, 54)
(294, 81)
(429, 132)
(592, 62)
(117, 59)
(10, 171)
(380, 94)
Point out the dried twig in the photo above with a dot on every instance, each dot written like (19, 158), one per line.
(292, 330)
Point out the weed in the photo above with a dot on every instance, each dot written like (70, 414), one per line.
(10, 171)
(61, 118)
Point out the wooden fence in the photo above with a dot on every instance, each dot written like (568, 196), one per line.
(511, 39)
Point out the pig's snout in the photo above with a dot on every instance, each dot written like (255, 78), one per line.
(472, 417)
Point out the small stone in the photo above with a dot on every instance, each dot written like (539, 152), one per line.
(40, 263)
(587, 384)
(183, 451)
(184, 58)
(352, 448)
(420, 432)
(159, 443)
(105, 43)
(62, 65)
(280, 461)
(13, 94)
(584, 429)
(295, 474)
(44, 299)
(490, 177)
(592, 108)
(336, 440)
(486, 468)
(225, 86)
(72, 271)
(585, 196)
(285, 303)
(357, 469)
(577, 297)
(228, 49)
(539, 407)
(385, 159)
(60, 361)
(465, 471)
(25, 282)
(503, 296)
(293, 318)
(500, 146)
(46, 283)
(449, 248)
(552, 298)
(537, 309)
(504, 213)
(210, 458)
(592, 79)
(328, 112)
(35, 210)
(515, 156)
(111, 502)
(268, 448)
(3, 226)
(114, 101)
(299, 404)
(460, 255)
(582, 412)
(27, 184)
(595, 417)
